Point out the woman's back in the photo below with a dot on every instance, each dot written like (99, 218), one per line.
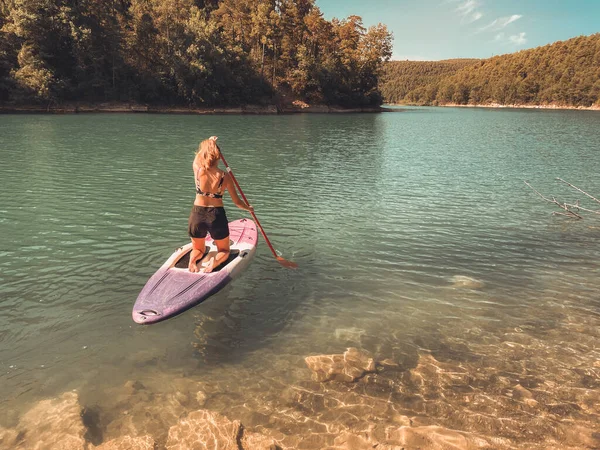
(209, 186)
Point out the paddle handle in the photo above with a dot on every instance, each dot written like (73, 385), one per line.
(237, 185)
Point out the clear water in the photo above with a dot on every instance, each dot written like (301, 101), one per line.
(415, 235)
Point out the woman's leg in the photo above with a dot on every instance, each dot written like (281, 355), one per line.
(198, 248)
(221, 256)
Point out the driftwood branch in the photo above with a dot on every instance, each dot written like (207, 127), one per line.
(576, 188)
(564, 206)
(593, 211)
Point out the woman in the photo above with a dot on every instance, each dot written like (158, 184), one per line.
(208, 213)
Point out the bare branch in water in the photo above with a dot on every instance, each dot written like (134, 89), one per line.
(582, 208)
(563, 206)
(556, 213)
(576, 188)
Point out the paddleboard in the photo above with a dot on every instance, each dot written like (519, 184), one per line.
(173, 289)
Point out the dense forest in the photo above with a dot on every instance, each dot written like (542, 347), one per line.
(564, 73)
(411, 81)
(186, 52)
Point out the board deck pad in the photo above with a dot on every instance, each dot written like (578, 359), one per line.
(185, 260)
(173, 289)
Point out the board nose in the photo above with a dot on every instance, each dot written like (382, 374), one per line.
(145, 316)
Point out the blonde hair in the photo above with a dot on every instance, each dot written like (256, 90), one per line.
(208, 153)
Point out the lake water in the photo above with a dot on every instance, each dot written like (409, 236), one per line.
(416, 238)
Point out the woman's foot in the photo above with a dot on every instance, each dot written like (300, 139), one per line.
(196, 256)
(209, 267)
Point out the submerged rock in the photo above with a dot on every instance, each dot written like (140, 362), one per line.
(434, 438)
(8, 438)
(350, 441)
(140, 409)
(128, 443)
(204, 430)
(434, 376)
(406, 437)
(257, 441)
(520, 393)
(201, 398)
(461, 281)
(349, 334)
(348, 367)
(53, 424)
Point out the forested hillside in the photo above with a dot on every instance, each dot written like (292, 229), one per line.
(186, 52)
(564, 73)
(411, 81)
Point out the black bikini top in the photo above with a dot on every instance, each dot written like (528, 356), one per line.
(218, 194)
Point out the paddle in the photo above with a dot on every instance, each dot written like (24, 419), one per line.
(284, 262)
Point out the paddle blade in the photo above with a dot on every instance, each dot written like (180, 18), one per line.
(285, 263)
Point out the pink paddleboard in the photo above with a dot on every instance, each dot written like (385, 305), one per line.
(174, 289)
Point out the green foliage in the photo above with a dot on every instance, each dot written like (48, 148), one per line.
(8, 60)
(349, 71)
(418, 82)
(564, 73)
(188, 52)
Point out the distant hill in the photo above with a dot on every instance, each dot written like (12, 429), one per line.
(410, 81)
(565, 73)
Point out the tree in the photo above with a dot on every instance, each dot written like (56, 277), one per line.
(191, 52)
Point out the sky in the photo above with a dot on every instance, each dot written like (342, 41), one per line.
(430, 30)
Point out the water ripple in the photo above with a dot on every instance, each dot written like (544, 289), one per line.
(411, 231)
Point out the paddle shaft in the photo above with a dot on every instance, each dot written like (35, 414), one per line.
(237, 185)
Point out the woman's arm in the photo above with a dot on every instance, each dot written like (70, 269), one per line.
(230, 186)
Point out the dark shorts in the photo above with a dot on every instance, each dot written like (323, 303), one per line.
(208, 219)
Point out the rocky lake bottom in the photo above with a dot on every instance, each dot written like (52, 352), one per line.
(522, 387)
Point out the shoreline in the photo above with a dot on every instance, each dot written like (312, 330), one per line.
(75, 108)
(513, 106)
